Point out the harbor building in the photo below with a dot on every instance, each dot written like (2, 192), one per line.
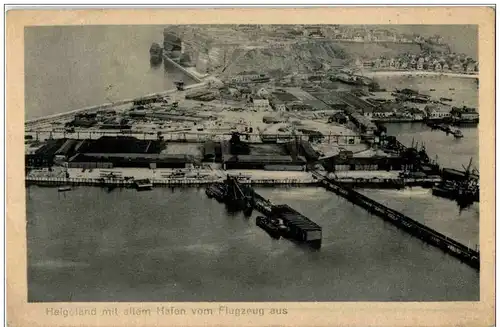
(364, 124)
(130, 160)
(260, 103)
(265, 162)
(465, 114)
(277, 104)
(437, 112)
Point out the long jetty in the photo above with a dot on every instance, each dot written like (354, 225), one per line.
(426, 234)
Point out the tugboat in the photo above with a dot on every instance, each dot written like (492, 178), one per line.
(271, 226)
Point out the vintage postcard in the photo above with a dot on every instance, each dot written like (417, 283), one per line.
(251, 167)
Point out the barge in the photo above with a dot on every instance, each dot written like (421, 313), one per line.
(299, 228)
(143, 184)
(445, 99)
(271, 226)
(64, 189)
(217, 191)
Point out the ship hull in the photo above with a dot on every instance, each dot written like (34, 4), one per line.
(270, 230)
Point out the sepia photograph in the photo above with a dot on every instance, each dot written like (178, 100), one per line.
(252, 163)
(250, 167)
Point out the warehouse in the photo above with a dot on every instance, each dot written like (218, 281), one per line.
(66, 149)
(135, 160)
(44, 156)
(331, 99)
(121, 144)
(284, 96)
(345, 163)
(261, 162)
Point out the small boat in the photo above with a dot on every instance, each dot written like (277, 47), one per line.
(444, 128)
(270, 226)
(64, 189)
(443, 192)
(432, 125)
(143, 184)
(248, 209)
(458, 133)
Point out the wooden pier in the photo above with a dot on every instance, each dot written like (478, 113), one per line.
(426, 234)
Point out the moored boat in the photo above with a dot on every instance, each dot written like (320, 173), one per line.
(216, 191)
(270, 226)
(64, 189)
(457, 133)
(143, 184)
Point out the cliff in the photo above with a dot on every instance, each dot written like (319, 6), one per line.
(230, 49)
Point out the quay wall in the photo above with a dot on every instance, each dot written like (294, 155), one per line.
(57, 181)
(353, 182)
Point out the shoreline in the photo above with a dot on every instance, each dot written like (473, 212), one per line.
(197, 78)
(390, 73)
(108, 105)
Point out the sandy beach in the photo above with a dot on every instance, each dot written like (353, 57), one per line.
(416, 73)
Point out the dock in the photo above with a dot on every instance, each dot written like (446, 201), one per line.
(426, 234)
(240, 197)
(312, 180)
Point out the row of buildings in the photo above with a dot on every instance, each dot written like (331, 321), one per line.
(364, 34)
(432, 111)
(459, 64)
